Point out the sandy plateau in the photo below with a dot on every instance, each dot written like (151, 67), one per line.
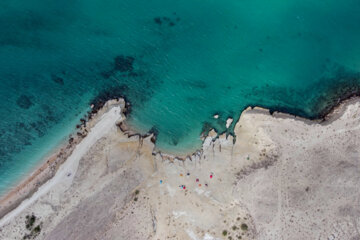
(283, 178)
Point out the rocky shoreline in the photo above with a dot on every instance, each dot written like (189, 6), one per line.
(102, 103)
(262, 144)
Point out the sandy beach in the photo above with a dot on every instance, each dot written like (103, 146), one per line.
(283, 178)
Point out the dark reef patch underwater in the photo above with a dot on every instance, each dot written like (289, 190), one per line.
(177, 62)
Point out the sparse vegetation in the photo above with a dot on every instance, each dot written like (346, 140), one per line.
(30, 220)
(244, 227)
(234, 228)
(225, 232)
(37, 229)
(29, 224)
(137, 191)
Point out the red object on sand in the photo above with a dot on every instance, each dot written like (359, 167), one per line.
(197, 180)
(211, 176)
(184, 187)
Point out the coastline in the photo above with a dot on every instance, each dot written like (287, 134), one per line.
(50, 165)
(46, 171)
(240, 167)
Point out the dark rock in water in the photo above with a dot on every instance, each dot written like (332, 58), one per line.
(157, 20)
(154, 131)
(39, 127)
(57, 79)
(174, 141)
(124, 63)
(112, 93)
(153, 139)
(133, 74)
(106, 74)
(206, 128)
(344, 85)
(24, 102)
(160, 21)
(166, 19)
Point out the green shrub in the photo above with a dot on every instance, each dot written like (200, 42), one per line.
(244, 227)
(37, 229)
(30, 220)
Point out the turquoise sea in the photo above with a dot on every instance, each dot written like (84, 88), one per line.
(177, 61)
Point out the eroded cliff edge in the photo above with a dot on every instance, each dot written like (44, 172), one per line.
(284, 177)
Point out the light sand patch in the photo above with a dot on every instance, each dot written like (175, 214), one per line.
(65, 174)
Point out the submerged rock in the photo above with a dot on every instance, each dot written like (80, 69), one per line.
(165, 20)
(157, 20)
(57, 79)
(24, 102)
(124, 63)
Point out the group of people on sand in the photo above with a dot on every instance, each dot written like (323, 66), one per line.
(197, 180)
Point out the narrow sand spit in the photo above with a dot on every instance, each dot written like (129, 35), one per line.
(283, 178)
(64, 176)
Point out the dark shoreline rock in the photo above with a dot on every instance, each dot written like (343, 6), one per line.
(329, 98)
(113, 93)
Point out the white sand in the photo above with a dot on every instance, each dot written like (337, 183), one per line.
(66, 172)
(229, 122)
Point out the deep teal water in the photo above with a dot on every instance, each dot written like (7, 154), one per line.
(177, 62)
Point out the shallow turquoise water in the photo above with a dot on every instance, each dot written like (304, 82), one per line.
(178, 62)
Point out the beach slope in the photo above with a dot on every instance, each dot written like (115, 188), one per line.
(283, 178)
